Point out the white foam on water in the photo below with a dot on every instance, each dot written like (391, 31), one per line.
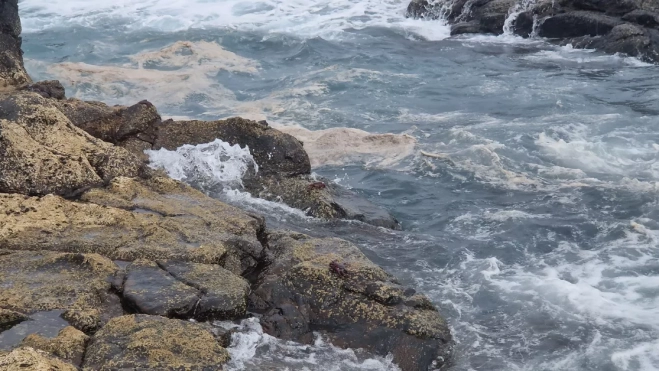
(207, 166)
(340, 146)
(303, 18)
(252, 349)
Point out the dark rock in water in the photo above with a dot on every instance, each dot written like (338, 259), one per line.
(611, 7)
(523, 24)
(141, 342)
(364, 307)
(47, 89)
(581, 23)
(329, 202)
(626, 38)
(12, 71)
(274, 152)
(643, 18)
(465, 28)
(577, 24)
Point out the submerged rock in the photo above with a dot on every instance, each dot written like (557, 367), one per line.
(360, 307)
(153, 342)
(321, 198)
(42, 152)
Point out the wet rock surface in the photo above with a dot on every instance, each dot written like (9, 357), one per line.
(153, 342)
(358, 306)
(581, 23)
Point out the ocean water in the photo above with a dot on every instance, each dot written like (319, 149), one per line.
(526, 175)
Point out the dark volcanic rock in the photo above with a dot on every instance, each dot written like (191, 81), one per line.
(47, 89)
(274, 152)
(626, 38)
(12, 71)
(360, 306)
(141, 342)
(577, 24)
(643, 18)
(612, 7)
(151, 290)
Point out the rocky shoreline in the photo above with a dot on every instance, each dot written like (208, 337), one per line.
(628, 27)
(132, 264)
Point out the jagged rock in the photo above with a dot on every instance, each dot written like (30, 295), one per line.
(47, 89)
(364, 307)
(626, 38)
(130, 219)
(465, 28)
(69, 344)
(321, 198)
(274, 152)
(46, 281)
(42, 152)
(581, 23)
(12, 71)
(23, 359)
(152, 342)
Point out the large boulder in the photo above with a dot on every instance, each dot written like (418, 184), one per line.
(75, 284)
(274, 152)
(43, 153)
(579, 23)
(130, 219)
(12, 71)
(140, 342)
(329, 286)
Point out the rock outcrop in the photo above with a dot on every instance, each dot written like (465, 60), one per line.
(27, 358)
(12, 71)
(328, 285)
(613, 26)
(283, 164)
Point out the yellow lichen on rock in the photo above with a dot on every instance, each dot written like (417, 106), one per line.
(26, 358)
(152, 342)
(69, 344)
